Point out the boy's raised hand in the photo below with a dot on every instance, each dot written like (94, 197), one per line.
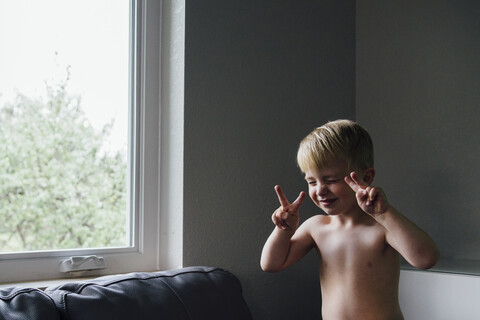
(372, 200)
(286, 217)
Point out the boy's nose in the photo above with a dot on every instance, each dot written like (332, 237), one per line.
(322, 189)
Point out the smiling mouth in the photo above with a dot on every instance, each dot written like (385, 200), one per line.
(327, 202)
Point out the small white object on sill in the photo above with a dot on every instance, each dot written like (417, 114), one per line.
(78, 265)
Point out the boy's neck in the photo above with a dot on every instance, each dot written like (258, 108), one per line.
(352, 218)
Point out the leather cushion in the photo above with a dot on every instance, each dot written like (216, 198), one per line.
(188, 293)
(26, 303)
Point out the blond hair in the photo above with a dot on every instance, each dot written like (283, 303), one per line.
(340, 140)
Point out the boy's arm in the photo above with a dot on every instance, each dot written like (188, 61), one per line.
(288, 243)
(414, 244)
(285, 247)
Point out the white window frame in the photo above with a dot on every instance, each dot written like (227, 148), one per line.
(157, 228)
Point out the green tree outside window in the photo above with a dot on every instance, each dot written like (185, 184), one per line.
(59, 186)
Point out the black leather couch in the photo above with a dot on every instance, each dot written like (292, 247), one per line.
(193, 293)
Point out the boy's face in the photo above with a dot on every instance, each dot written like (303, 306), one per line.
(328, 189)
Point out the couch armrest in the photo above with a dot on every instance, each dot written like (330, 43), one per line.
(26, 303)
(188, 293)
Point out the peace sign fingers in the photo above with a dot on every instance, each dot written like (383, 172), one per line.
(355, 182)
(286, 205)
(371, 199)
(298, 202)
(286, 216)
(281, 197)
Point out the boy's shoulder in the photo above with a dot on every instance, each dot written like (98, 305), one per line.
(318, 221)
(319, 227)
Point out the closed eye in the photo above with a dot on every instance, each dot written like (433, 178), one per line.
(332, 181)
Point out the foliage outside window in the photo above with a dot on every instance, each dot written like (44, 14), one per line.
(59, 188)
(65, 70)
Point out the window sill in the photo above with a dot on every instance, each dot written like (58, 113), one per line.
(455, 266)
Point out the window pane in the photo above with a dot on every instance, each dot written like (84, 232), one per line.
(64, 115)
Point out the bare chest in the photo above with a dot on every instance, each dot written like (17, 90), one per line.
(358, 269)
(356, 248)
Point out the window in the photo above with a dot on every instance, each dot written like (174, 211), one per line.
(64, 179)
(122, 222)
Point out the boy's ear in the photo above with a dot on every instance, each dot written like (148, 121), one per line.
(368, 175)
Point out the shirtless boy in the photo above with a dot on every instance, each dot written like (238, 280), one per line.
(360, 239)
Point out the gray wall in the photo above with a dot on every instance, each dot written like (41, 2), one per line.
(418, 93)
(259, 75)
